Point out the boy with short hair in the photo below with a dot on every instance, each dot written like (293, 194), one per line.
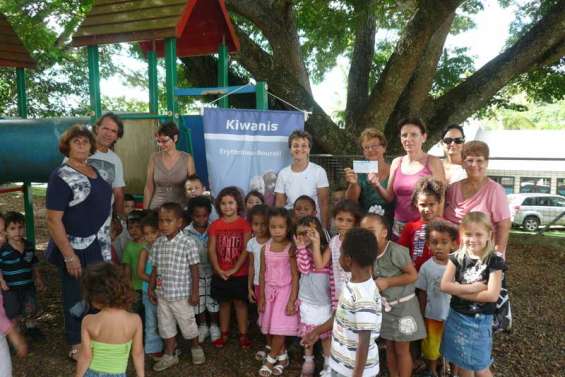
(123, 237)
(20, 276)
(199, 209)
(357, 319)
(195, 187)
(130, 258)
(441, 238)
(175, 277)
(306, 206)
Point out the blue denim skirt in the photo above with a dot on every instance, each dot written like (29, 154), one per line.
(92, 373)
(467, 340)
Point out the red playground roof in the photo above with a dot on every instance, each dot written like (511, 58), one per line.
(200, 29)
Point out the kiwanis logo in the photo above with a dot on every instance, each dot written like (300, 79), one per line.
(236, 125)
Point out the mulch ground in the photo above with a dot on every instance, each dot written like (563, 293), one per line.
(534, 347)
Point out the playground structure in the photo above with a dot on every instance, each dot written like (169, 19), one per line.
(177, 28)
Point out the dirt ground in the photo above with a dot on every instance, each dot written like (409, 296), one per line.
(534, 347)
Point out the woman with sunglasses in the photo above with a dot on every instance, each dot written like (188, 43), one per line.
(168, 170)
(452, 141)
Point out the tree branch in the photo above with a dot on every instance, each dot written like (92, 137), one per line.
(361, 61)
(540, 45)
(429, 17)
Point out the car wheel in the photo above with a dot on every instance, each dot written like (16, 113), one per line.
(531, 223)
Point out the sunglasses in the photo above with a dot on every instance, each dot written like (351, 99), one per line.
(456, 140)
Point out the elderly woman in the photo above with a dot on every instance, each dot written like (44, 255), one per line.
(79, 209)
(406, 170)
(168, 170)
(303, 177)
(478, 192)
(452, 141)
(373, 144)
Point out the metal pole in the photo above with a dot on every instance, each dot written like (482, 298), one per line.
(171, 73)
(28, 196)
(223, 72)
(153, 85)
(22, 97)
(94, 80)
(261, 96)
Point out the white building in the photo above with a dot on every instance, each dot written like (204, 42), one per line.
(523, 160)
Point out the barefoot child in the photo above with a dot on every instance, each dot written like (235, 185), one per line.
(278, 283)
(313, 258)
(199, 209)
(441, 238)
(395, 276)
(473, 278)
(108, 336)
(227, 240)
(175, 275)
(153, 344)
(20, 276)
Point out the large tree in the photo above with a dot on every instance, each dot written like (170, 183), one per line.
(288, 43)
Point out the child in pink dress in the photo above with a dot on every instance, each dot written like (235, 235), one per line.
(278, 284)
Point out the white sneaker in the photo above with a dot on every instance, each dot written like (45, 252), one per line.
(202, 333)
(166, 362)
(215, 332)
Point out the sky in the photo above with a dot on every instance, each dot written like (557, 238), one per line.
(485, 42)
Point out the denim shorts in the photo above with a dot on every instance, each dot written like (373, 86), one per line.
(467, 340)
(92, 373)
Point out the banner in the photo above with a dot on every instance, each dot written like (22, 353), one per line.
(247, 148)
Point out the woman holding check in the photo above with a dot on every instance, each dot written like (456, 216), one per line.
(405, 171)
(373, 144)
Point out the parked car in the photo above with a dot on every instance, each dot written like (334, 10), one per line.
(530, 211)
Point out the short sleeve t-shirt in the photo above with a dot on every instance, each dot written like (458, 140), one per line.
(437, 302)
(359, 309)
(490, 199)
(17, 267)
(110, 167)
(230, 243)
(390, 264)
(201, 240)
(254, 247)
(471, 270)
(306, 182)
(413, 237)
(131, 257)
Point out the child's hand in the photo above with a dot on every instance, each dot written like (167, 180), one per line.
(373, 179)
(382, 284)
(314, 236)
(193, 300)
(261, 305)
(350, 176)
(310, 339)
(4, 286)
(40, 285)
(152, 296)
(18, 341)
(251, 295)
(291, 307)
(299, 242)
(230, 272)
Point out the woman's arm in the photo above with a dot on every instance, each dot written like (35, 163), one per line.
(438, 172)
(353, 191)
(141, 264)
(501, 232)
(450, 286)
(58, 234)
(324, 199)
(388, 192)
(291, 305)
(409, 276)
(85, 354)
(280, 199)
(149, 183)
(491, 293)
(137, 353)
(191, 169)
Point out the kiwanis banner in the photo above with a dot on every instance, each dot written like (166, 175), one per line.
(247, 148)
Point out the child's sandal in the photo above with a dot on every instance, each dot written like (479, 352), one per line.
(221, 341)
(282, 362)
(266, 370)
(244, 341)
(262, 354)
